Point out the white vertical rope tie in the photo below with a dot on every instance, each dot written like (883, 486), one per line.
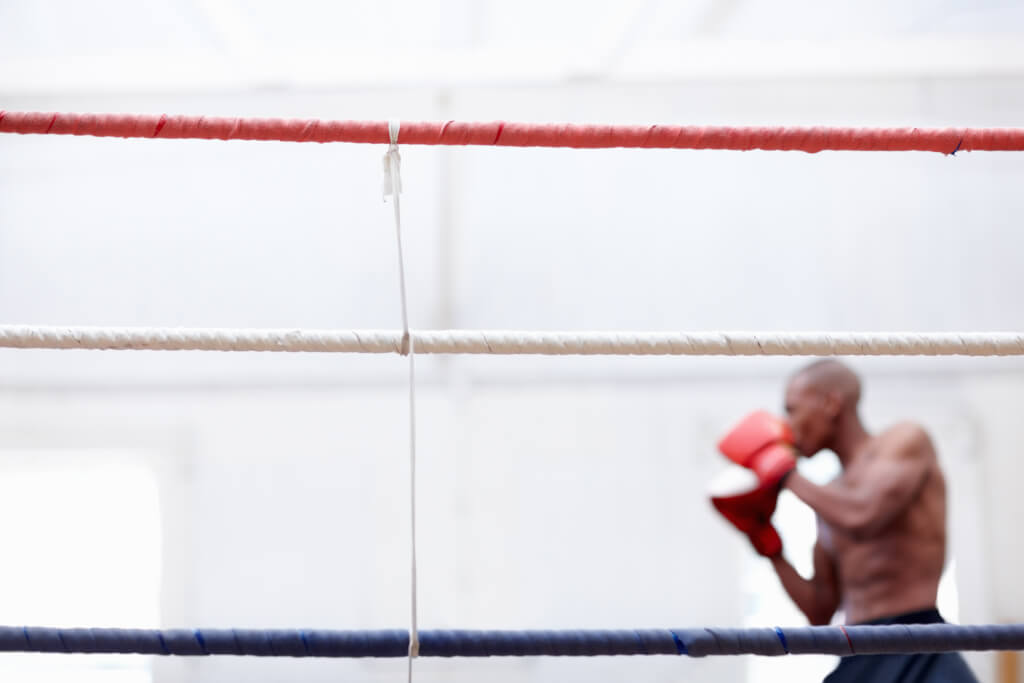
(393, 187)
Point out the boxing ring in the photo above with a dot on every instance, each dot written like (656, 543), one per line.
(413, 642)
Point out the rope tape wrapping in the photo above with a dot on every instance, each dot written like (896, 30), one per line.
(506, 342)
(511, 134)
(460, 643)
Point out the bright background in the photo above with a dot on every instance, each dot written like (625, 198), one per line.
(263, 490)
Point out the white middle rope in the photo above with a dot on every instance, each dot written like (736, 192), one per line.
(515, 342)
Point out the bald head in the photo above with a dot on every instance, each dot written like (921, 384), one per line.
(830, 376)
(818, 398)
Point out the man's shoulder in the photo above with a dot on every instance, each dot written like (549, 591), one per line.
(905, 439)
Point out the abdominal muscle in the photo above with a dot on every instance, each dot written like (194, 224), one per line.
(898, 570)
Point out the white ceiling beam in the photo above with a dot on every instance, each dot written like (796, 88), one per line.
(541, 65)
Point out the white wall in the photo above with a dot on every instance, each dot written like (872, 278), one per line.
(555, 492)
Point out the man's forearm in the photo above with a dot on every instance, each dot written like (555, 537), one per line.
(802, 592)
(838, 508)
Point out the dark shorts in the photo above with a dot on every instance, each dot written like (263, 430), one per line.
(944, 667)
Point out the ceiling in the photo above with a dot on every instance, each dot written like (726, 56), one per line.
(131, 45)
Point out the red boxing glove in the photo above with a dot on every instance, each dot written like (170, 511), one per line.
(763, 443)
(749, 509)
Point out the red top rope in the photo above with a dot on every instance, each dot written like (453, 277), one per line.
(815, 139)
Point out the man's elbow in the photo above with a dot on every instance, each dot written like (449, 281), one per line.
(868, 527)
(863, 522)
(821, 615)
(861, 529)
(819, 619)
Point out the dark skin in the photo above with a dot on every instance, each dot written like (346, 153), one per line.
(881, 524)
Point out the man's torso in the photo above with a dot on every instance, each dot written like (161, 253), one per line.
(898, 569)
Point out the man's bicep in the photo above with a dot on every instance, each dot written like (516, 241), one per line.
(898, 473)
(893, 482)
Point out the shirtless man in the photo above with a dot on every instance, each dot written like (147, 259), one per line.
(881, 524)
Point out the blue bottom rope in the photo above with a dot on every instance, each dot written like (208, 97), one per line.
(828, 640)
